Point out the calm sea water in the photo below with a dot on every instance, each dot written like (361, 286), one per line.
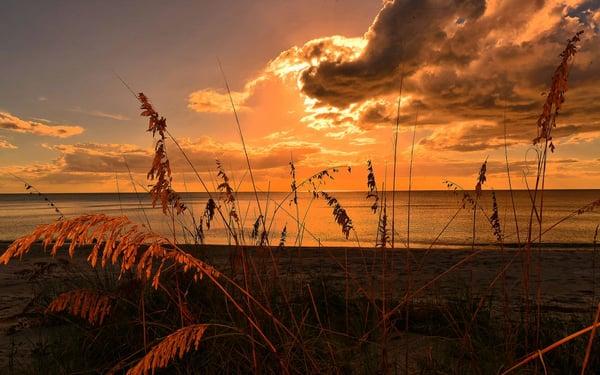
(431, 212)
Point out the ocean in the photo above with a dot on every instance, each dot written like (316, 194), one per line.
(433, 214)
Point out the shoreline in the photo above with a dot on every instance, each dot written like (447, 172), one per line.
(487, 246)
(303, 192)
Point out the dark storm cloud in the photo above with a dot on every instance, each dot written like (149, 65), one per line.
(461, 60)
(405, 35)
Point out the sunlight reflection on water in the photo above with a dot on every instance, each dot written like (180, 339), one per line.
(430, 212)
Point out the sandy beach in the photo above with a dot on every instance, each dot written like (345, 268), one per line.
(567, 281)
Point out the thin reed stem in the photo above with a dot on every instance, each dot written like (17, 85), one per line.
(241, 134)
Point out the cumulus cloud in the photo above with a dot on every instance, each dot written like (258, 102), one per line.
(460, 60)
(286, 68)
(464, 65)
(13, 123)
(401, 40)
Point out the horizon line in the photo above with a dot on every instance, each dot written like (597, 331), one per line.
(288, 191)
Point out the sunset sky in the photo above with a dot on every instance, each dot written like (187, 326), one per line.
(315, 80)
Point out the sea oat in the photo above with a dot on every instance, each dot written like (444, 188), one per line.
(383, 235)
(318, 179)
(114, 239)
(161, 168)
(556, 95)
(176, 345)
(200, 231)
(372, 193)
(467, 200)
(481, 177)
(33, 191)
(227, 193)
(339, 214)
(254, 234)
(90, 305)
(495, 219)
(282, 238)
(589, 207)
(293, 183)
(206, 219)
(209, 211)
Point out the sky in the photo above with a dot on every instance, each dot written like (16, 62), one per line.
(316, 81)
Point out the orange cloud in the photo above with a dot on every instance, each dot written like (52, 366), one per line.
(6, 145)
(212, 101)
(287, 68)
(333, 100)
(92, 166)
(13, 123)
(462, 61)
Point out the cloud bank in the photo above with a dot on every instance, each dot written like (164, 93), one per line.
(15, 124)
(465, 64)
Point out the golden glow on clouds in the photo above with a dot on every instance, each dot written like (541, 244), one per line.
(296, 59)
(493, 57)
(15, 124)
(547, 18)
(287, 67)
(211, 101)
(333, 100)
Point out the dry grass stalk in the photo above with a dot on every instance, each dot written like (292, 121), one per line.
(33, 191)
(254, 232)
(227, 192)
(467, 201)
(315, 181)
(255, 229)
(546, 122)
(293, 186)
(161, 168)
(495, 219)
(481, 178)
(206, 219)
(590, 207)
(549, 348)
(209, 211)
(318, 179)
(339, 213)
(556, 95)
(282, 238)
(114, 239)
(294, 200)
(383, 234)
(176, 345)
(371, 184)
(90, 305)
(590, 343)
